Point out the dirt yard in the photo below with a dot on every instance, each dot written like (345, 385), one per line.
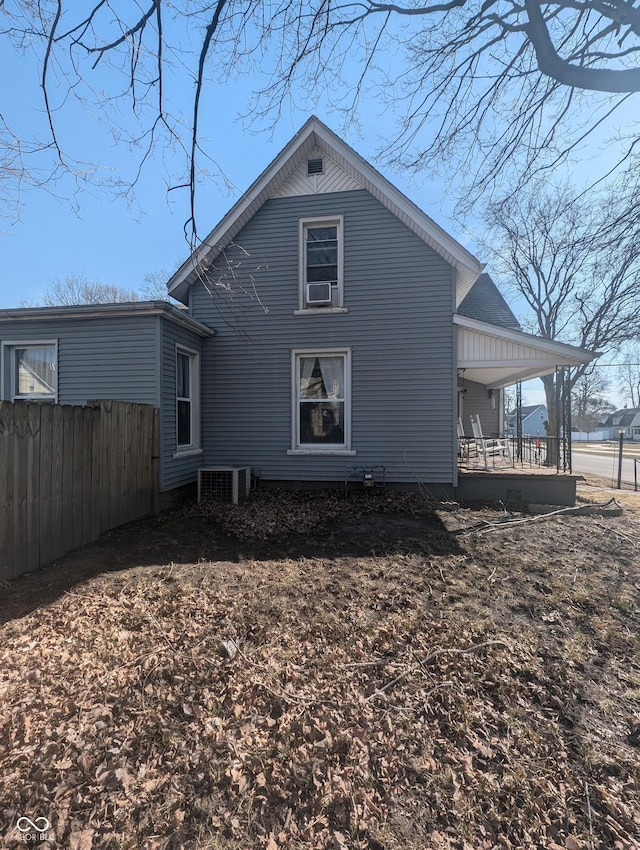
(319, 671)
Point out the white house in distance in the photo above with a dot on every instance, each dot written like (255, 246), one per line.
(627, 420)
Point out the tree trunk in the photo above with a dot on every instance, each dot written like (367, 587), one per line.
(551, 426)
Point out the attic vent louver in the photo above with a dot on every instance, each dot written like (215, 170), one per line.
(315, 166)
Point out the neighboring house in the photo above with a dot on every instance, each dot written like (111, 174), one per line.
(147, 352)
(626, 420)
(350, 331)
(533, 418)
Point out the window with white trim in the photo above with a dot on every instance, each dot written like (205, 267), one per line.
(321, 401)
(321, 261)
(30, 371)
(187, 399)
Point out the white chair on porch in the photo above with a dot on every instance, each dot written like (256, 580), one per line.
(494, 448)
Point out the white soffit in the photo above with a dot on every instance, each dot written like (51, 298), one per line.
(348, 168)
(498, 357)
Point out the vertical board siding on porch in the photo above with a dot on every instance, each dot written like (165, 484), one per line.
(400, 296)
(69, 473)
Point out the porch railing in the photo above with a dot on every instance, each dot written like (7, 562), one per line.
(524, 453)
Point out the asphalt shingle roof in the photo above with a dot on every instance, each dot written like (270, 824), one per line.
(485, 303)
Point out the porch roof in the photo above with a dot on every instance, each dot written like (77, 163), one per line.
(498, 357)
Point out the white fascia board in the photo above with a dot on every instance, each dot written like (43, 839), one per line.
(218, 239)
(574, 355)
(316, 134)
(395, 200)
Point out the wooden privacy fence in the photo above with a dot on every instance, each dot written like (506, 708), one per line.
(69, 473)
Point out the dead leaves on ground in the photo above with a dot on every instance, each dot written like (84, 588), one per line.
(302, 704)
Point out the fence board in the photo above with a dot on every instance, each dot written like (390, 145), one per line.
(69, 473)
(66, 502)
(96, 472)
(34, 491)
(44, 497)
(57, 465)
(6, 490)
(20, 451)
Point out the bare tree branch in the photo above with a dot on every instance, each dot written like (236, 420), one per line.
(505, 89)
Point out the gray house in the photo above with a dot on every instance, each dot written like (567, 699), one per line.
(350, 331)
(147, 352)
(367, 330)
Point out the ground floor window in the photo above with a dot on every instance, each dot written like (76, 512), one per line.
(30, 371)
(321, 418)
(187, 399)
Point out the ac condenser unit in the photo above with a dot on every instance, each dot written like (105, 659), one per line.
(224, 483)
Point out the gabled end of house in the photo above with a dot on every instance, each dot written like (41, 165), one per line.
(352, 332)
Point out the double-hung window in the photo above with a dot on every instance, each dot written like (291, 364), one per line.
(322, 409)
(187, 400)
(321, 262)
(30, 371)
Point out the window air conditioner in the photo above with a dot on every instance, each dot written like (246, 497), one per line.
(318, 293)
(224, 483)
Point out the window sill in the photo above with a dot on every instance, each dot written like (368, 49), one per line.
(320, 311)
(323, 452)
(186, 453)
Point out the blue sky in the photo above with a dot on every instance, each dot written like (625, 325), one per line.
(118, 240)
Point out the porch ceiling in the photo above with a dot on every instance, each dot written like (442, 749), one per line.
(497, 357)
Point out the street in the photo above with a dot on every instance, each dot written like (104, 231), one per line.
(602, 459)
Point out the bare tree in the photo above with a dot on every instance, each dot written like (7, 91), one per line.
(154, 287)
(506, 88)
(76, 288)
(580, 280)
(629, 374)
(589, 405)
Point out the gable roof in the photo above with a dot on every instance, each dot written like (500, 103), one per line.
(485, 303)
(315, 135)
(527, 410)
(624, 417)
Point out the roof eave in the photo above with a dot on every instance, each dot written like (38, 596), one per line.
(574, 354)
(101, 311)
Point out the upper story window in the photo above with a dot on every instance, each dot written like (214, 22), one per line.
(321, 274)
(30, 371)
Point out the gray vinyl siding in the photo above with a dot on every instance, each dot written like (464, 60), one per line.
(121, 358)
(476, 400)
(97, 358)
(400, 297)
(174, 471)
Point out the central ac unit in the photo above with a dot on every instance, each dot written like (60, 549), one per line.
(318, 293)
(224, 483)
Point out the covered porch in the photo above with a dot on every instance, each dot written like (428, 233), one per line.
(491, 358)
